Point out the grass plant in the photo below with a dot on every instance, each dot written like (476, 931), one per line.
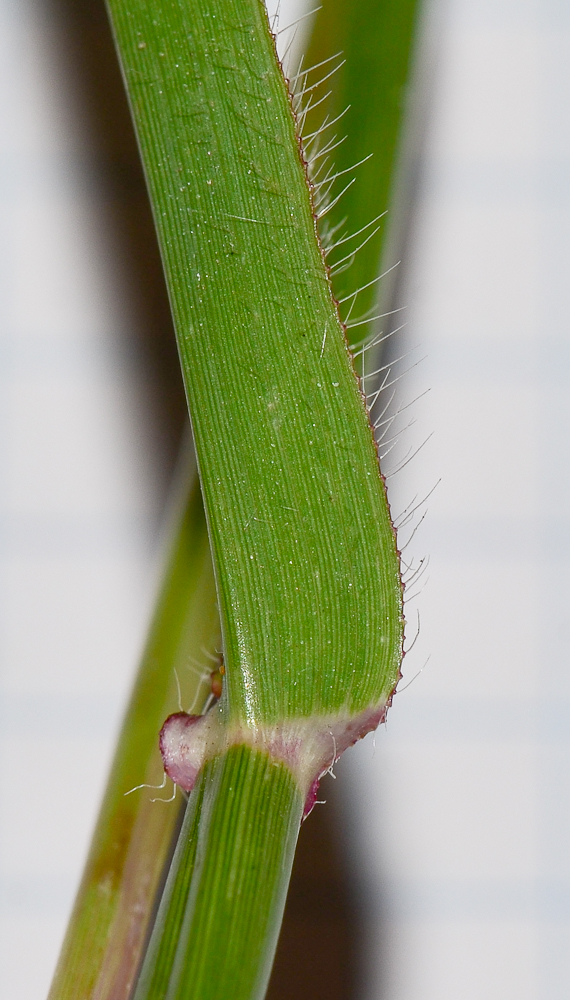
(304, 552)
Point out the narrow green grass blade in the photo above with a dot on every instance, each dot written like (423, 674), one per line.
(305, 554)
(376, 39)
(133, 838)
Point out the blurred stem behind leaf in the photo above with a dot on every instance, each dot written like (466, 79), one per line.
(376, 39)
(133, 838)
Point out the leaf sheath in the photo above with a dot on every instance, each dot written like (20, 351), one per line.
(237, 843)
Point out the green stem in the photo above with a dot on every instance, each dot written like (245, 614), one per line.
(132, 842)
(236, 851)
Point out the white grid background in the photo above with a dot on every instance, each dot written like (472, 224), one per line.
(464, 835)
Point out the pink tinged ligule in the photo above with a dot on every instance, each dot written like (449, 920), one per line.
(308, 746)
(343, 734)
(311, 799)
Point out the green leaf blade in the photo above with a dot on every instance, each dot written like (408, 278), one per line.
(305, 553)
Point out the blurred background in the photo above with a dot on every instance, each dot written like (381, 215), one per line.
(440, 867)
